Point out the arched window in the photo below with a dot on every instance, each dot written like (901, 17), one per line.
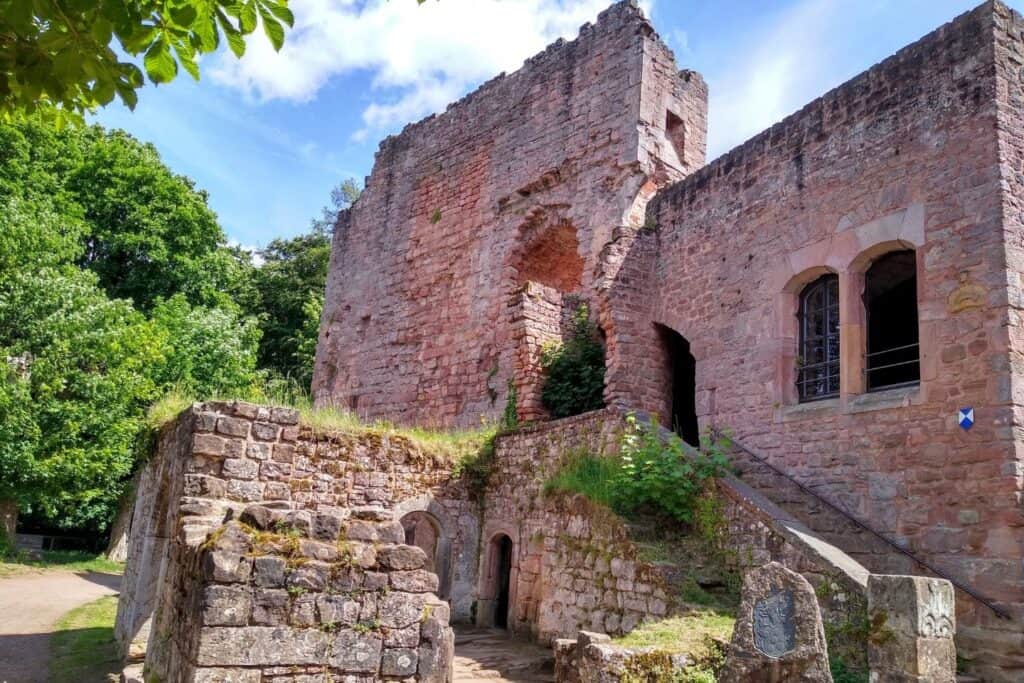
(818, 363)
(890, 299)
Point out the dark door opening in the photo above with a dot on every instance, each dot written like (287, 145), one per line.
(501, 605)
(890, 297)
(682, 370)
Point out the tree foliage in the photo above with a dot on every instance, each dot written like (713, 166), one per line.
(70, 56)
(290, 286)
(574, 369)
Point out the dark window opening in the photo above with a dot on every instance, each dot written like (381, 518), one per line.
(504, 582)
(682, 369)
(890, 298)
(818, 363)
(675, 131)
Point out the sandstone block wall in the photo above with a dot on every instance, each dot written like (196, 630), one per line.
(575, 566)
(524, 180)
(289, 597)
(919, 152)
(218, 459)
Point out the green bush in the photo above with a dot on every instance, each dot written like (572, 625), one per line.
(656, 474)
(651, 474)
(574, 369)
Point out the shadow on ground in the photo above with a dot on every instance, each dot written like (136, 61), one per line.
(491, 655)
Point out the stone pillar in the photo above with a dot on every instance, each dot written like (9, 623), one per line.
(536, 323)
(779, 637)
(913, 621)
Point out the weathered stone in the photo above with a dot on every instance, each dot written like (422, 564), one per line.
(355, 652)
(338, 609)
(264, 431)
(257, 516)
(912, 621)
(260, 646)
(399, 610)
(270, 607)
(401, 557)
(417, 581)
(399, 662)
(327, 526)
(778, 633)
(226, 567)
(269, 571)
(226, 606)
(231, 426)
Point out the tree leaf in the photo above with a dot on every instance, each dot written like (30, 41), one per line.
(280, 10)
(274, 30)
(160, 65)
(184, 16)
(235, 40)
(186, 55)
(247, 17)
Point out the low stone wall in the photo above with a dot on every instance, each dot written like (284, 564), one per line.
(217, 459)
(292, 597)
(575, 565)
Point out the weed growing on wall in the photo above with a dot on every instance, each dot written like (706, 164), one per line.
(656, 474)
(574, 369)
(651, 474)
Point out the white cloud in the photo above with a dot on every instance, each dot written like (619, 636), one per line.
(419, 57)
(787, 64)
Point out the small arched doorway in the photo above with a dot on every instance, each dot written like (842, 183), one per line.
(504, 576)
(681, 370)
(424, 531)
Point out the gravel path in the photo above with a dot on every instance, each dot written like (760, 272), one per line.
(30, 606)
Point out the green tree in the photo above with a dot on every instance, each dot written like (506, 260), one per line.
(291, 285)
(207, 351)
(85, 364)
(146, 232)
(67, 57)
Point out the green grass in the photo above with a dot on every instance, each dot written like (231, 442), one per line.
(452, 445)
(582, 472)
(65, 560)
(82, 647)
(688, 634)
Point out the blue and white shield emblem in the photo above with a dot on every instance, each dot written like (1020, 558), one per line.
(965, 418)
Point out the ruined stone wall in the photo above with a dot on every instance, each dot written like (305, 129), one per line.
(277, 598)
(217, 459)
(906, 155)
(576, 565)
(523, 180)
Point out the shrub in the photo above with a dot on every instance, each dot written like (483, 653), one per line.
(656, 474)
(574, 369)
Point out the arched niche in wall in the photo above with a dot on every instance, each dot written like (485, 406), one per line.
(429, 528)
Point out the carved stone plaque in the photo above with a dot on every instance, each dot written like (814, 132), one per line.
(774, 624)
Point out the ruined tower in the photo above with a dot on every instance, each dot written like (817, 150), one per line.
(450, 271)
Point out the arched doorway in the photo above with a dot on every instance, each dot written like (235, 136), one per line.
(681, 371)
(504, 594)
(423, 530)
(497, 585)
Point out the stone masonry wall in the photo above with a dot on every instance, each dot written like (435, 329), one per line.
(575, 565)
(286, 597)
(525, 179)
(217, 459)
(906, 155)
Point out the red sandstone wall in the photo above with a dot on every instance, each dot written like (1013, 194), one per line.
(907, 154)
(460, 207)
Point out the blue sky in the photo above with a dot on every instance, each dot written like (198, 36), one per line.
(268, 136)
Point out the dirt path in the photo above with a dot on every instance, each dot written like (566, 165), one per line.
(490, 656)
(30, 606)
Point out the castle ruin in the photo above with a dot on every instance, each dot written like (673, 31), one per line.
(839, 293)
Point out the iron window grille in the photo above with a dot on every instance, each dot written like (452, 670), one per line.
(818, 363)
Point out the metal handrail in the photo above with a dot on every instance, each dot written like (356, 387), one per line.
(718, 434)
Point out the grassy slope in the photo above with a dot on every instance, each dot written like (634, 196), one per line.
(64, 560)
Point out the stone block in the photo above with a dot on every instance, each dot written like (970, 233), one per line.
(269, 571)
(261, 646)
(226, 567)
(356, 652)
(779, 633)
(399, 662)
(401, 557)
(912, 621)
(415, 581)
(233, 426)
(226, 605)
